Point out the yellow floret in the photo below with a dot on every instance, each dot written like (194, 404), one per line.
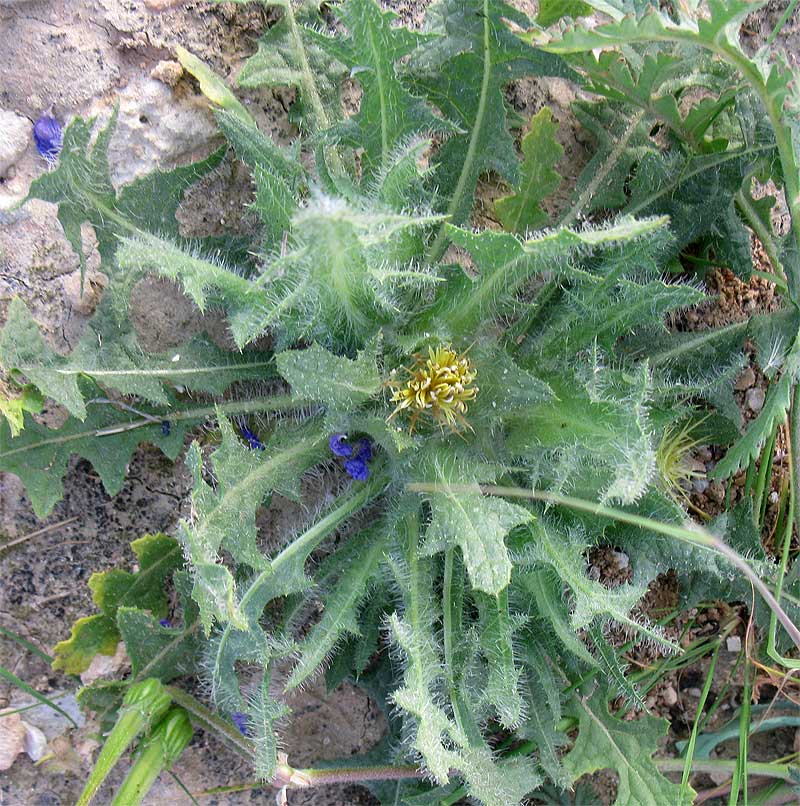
(439, 386)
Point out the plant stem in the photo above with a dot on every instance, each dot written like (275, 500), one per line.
(313, 777)
(602, 172)
(439, 244)
(208, 720)
(745, 205)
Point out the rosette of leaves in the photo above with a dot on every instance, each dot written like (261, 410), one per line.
(351, 275)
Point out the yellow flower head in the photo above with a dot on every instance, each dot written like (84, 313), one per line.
(439, 386)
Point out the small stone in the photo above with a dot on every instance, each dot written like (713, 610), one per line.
(167, 72)
(745, 380)
(12, 739)
(754, 399)
(716, 492)
(700, 485)
(623, 561)
(733, 643)
(669, 696)
(694, 692)
(704, 454)
(15, 133)
(35, 742)
(105, 665)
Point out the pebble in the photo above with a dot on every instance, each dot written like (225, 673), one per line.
(733, 643)
(704, 454)
(694, 692)
(669, 696)
(167, 72)
(754, 399)
(700, 485)
(623, 561)
(716, 492)
(15, 134)
(745, 380)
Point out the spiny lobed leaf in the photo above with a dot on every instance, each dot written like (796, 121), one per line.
(107, 438)
(289, 56)
(577, 376)
(340, 383)
(113, 359)
(388, 113)
(521, 211)
(358, 559)
(627, 747)
(225, 515)
(463, 73)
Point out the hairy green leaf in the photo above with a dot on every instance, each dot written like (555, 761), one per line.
(113, 359)
(388, 113)
(627, 747)
(463, 73)
(340, 383)
(359, 561)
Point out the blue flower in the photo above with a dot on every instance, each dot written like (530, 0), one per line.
(338, 444)
(47, 134)
(252, 440)
(364, 449)
(357, 468)
(165, 622)
(165, 428)
(240, 720)
(356, 455)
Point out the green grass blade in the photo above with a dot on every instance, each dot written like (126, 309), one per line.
(23, 686)
(12, 636)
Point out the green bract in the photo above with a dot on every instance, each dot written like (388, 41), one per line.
(367, 257)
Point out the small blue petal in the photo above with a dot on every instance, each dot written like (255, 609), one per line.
(165, 622)
(252, 440)
(165, 427)
(357, 468)
(47, 134)
(240, 720)
(338, 444)
(364, 449)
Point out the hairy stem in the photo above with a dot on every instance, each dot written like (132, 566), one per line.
(745, 205)
(439, 244)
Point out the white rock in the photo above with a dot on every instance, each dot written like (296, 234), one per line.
(623, 561)
(51, 723)
(754, 399)
(15, 134)
(157, 129)
(733, 643)
(669, 696)
(35, 742)
(105, 665)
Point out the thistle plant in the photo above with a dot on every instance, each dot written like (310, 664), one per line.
(488, 404)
